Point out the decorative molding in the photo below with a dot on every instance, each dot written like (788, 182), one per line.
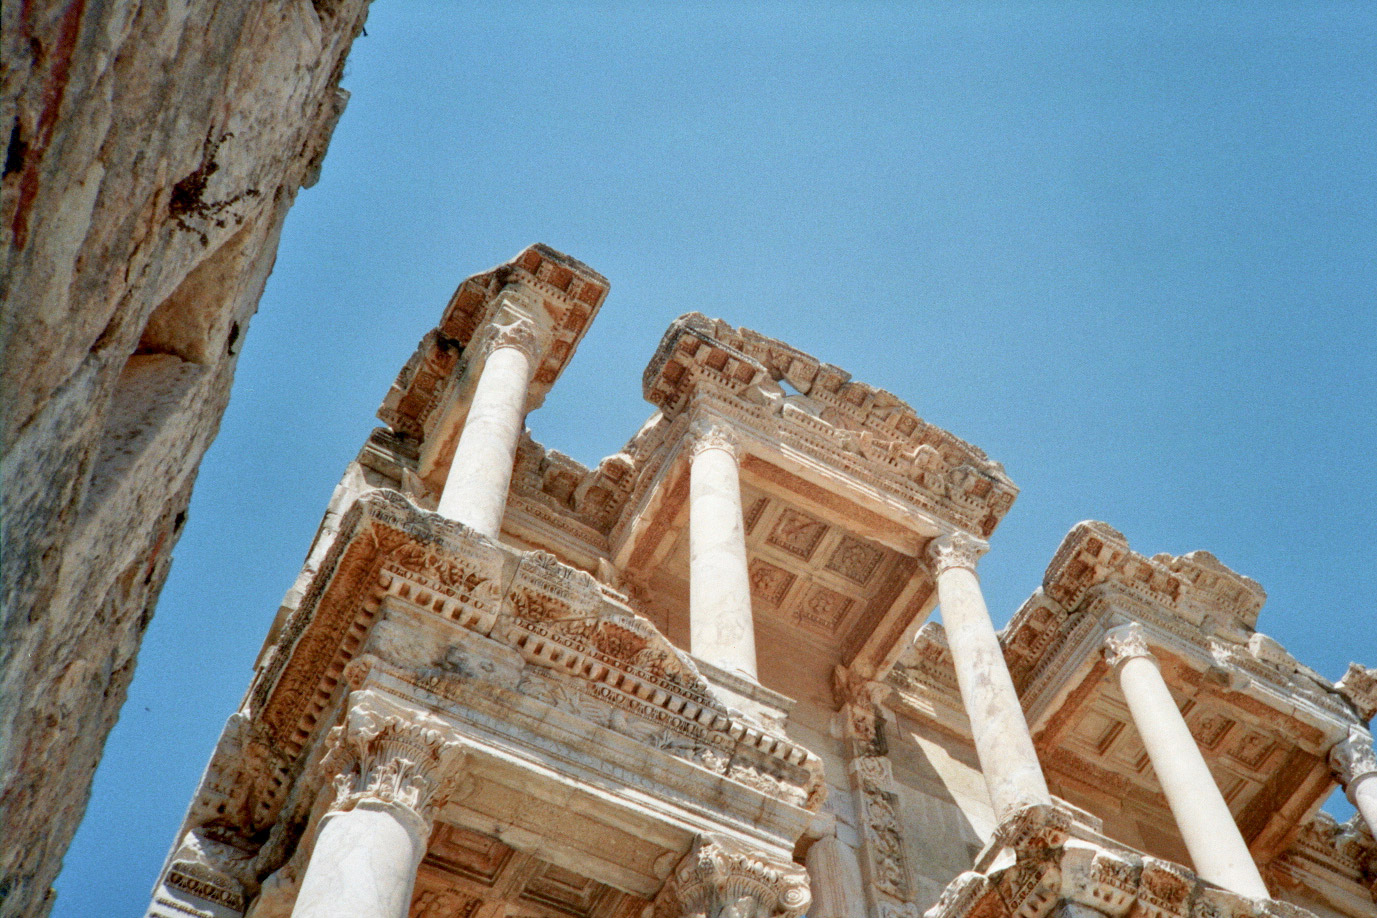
(956, 550)
(725, 878)
(389, 755)
(1125, 643)
(710, 433)
(1359, 688)
(1353, 759)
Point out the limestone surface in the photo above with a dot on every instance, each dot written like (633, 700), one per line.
(152, 152)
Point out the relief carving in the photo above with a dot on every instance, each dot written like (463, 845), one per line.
(389, 754)
(725, 878)
(1353, 758)
(1125, 643)
(956, 550)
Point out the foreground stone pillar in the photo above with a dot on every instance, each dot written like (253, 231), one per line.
(721, 628)
(372, 840)
(475, 491)
(1355, 766)
(1212, 837)
(723, 878)
(1003, 743)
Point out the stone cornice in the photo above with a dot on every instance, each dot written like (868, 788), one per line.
(565, 290)
(1194, 585)
(558, 620)
(864, 432)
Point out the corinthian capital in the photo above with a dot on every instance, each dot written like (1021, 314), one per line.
(520, 334)
(956, 549)
(721, 878)
(1126, 642)
(710, 433)
(1353, 758)
(392, 755)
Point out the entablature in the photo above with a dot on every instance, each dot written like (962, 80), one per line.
(1264, 722)
(863, 433)
(519, 641)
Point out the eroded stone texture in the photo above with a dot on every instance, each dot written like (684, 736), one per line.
(152, 154)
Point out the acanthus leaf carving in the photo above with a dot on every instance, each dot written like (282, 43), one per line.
(725, 878)
(1125, 643)
(1353, 758)
(956, 550)
(388, 754)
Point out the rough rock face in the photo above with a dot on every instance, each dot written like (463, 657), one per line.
(152, 153)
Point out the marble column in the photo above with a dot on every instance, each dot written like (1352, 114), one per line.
(1212, 837)
(721, 628)
(1003, 743)
(475, 491)
(834, 880)
(1355, 766)
(724, 878)
(370, 843)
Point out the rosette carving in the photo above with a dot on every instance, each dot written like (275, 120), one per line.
(956, 549)
(722, 878)
(391, 755)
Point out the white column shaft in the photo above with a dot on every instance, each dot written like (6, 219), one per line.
(475, 492)
(834, 878)
(1363, 792)
(1212, 837)
(722, 630)
(1003, 743)
(363, 865)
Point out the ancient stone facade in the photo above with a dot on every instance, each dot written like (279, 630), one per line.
(152, 152)
(697, 680)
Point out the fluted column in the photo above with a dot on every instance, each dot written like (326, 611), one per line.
(723, 878)
(721, 628)
(834, 880)
(475, 491)
(1355, 765)
(370, 843)
(1212, 837)
(1003, 743)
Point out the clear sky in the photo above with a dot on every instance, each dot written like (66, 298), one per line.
(1128, 252)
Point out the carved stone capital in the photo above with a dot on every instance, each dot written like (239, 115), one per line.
(1353, 758)
(956, 549)
(520, 334)
(1359, 688)
(388, 755)
(724, 878)
(1126, 642)
(709, 433)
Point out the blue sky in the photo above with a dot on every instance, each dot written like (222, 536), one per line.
(1128, 252)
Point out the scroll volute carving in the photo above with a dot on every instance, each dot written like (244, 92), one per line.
(385, 753)
(723, 878)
